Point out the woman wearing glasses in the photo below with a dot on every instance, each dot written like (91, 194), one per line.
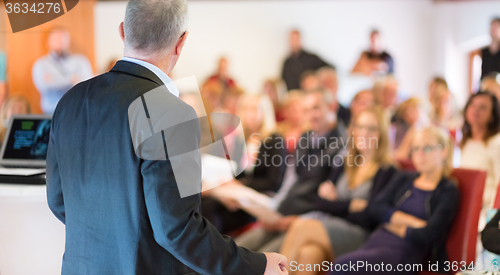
(416, 210)
(342, 224)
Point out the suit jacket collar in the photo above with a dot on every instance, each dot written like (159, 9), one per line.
(136, 70)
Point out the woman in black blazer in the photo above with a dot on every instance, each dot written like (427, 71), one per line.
(341, 222)
(416, 210)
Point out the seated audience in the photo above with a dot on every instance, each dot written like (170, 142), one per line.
(291, 129)
(211, 93)
(309, 81)
(315, 152)
(14, 105)
(444, 113)
(411, 117)
(491, 83)
(263, 172)
(298, 62)
(222, 74)
(344, 223)
(386, 94)
(55, 73)
(294, 123)
(328, 79)
(363, 100)
(229, 100)
(416, 210)
(271, 89)
(437, 84)
(481, 140)
(376, 59)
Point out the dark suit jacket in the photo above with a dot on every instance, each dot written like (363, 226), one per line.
(123, 214)
(297, 64)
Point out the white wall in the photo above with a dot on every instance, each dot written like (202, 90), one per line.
(425, 39)
(254, 35)
(461, 28)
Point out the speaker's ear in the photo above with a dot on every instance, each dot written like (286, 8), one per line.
(180, 43)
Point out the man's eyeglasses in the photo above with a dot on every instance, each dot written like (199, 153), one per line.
(183, 34)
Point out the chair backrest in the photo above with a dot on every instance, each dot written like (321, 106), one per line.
(406, 164)
(461, 243)
(496, 203)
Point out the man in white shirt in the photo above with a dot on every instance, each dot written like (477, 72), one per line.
(55, 73)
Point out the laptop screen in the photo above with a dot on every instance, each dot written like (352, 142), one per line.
(27, 139)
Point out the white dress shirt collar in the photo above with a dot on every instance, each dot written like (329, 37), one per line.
(162, 75)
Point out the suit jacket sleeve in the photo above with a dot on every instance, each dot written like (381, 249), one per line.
(55, 197)
(180, 229)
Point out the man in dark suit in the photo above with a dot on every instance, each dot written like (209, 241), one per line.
(491, 54)
(119, 193)
(315, 152)
(299, 62)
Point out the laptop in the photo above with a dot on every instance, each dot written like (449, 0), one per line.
(24, 148)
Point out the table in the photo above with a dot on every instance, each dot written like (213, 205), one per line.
(31, 238)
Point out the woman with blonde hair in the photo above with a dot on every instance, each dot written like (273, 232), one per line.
(294, 123)
(262, 163)
(342, 223)
(257, 116)
(14, 105)
(437, 85)
(412, 115)
(491, 83)
(444, 108)
(274, 90)
(416, 210)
